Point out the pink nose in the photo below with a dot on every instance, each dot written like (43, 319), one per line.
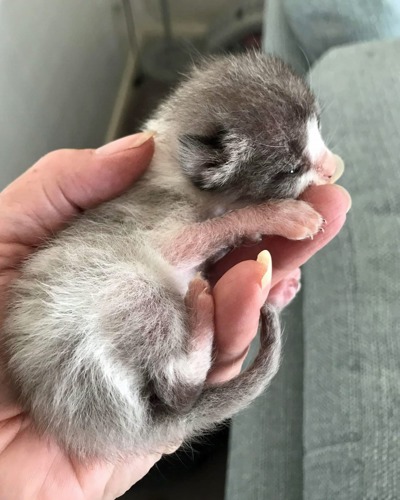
(327, 166)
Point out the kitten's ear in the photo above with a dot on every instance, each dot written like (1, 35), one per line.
(201, 157)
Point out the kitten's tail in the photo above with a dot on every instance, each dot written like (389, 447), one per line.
(221, 402)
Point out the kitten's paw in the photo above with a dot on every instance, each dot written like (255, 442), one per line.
(285, 291)
(200, 307)
(301, 221)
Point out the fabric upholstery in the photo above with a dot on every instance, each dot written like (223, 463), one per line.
(319, 25)
(351, 296)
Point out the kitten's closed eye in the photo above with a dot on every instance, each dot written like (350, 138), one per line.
(296, 170)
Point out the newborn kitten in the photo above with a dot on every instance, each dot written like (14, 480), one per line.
(105, 351)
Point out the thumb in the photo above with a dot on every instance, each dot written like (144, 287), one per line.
(64, 182)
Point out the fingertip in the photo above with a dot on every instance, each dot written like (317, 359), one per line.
(345, 194)
(134, 141)
(329, 199)
(242, 279)
(133, 160)
(107, 176)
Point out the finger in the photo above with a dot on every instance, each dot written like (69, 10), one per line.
(238, 296)
(331, 201)
(64, 182)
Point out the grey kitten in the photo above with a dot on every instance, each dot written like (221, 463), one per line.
(106, 353)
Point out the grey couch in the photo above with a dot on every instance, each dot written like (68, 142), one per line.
(329, 426)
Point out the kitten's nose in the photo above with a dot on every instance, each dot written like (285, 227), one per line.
(327, 166)
(330, 168)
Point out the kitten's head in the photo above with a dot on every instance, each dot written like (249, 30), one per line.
(248, 127)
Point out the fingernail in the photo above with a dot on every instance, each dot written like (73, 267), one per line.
(339, 169)
(347, 195)
(265, 259)
(129, 142)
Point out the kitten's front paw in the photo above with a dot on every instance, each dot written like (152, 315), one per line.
(302, 221)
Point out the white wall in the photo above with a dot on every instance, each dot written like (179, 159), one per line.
(61, 63)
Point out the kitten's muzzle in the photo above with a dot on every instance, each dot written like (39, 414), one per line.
(329, 168)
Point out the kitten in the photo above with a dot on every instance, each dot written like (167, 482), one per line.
(105, 351)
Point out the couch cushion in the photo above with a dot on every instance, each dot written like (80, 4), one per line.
(352, 288)
(322, 24)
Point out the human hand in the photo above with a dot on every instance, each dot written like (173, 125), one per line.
(41, 202)
(237, 322)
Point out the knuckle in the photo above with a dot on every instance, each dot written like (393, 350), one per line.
(53, 156)
(62, 155)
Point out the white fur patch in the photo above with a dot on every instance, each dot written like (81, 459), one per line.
(315, 150)
(306, 180)
(315, 144)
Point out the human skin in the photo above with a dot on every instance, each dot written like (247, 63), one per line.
(40, 203)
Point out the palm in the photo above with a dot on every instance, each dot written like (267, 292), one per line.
(46, 472)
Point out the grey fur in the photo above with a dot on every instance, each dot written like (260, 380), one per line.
(98, 338)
